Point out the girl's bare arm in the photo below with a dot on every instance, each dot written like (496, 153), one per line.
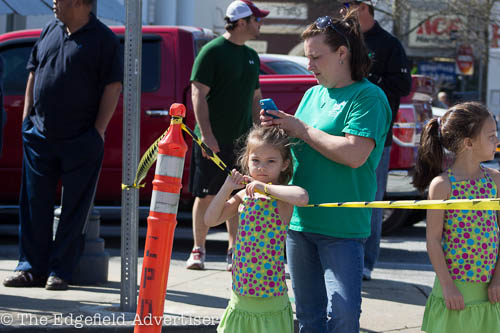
(291, 194)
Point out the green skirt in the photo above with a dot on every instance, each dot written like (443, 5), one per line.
(257, 314)
(479, 314)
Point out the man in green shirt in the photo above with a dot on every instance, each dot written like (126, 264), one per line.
(225, 94)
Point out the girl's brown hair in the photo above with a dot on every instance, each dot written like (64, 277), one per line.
(461, 121)
(345, 31)
(273, 136)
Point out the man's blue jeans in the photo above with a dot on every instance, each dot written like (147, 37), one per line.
(372, 245)
(326, 277)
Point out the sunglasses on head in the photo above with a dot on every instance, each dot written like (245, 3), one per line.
(324, 22)
(352, 3)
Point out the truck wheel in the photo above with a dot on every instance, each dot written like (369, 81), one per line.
(415, 216)
(392, 219)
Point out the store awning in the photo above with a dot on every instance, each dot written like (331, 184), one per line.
(108, 9)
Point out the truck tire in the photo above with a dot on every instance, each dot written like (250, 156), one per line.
(392, 219)
(415, 216)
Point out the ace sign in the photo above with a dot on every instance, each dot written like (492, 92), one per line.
(433, 31)
(465, 60)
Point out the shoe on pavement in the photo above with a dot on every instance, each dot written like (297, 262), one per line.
(56, 283)
(24, 279)
(229, 260)
(196, 259)
(367, 274)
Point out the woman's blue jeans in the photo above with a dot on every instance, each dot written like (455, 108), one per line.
(326, 277)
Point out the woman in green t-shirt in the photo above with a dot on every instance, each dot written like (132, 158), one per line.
(340, 129)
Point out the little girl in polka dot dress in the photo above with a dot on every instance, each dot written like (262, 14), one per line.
(462, 244)
(259, 300)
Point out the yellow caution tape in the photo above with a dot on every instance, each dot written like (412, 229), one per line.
(146, 162)
(213, 156)
(128, 187)
(176, 120)
(459, 204)
(149, 158)
(453, 204)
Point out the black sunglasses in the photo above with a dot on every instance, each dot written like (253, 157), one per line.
(324, 22)
(352, 3)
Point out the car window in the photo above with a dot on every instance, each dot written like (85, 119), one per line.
(15, 57)
(199, 43)
(15, 74)
(287, 67)
(151, 63)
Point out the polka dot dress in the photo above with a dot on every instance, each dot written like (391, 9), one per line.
(470, 237)
(258, 263)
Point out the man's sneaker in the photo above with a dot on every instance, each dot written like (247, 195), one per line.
(229, 260)
(196, 259)
(367, 274)
(23, 279)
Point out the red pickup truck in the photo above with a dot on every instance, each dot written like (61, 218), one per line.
(167, 57)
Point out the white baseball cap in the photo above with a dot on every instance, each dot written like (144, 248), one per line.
(244, 8)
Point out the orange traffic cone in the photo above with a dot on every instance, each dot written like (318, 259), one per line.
(161, 225)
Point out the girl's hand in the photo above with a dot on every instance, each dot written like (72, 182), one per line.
(453, 298)
(235, 181)
(254, 186)
(494, 291)
(292, 126)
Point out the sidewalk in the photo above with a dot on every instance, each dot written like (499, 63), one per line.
(195, 300)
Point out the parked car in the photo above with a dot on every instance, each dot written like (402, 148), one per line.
(167, 57)
(283, 64)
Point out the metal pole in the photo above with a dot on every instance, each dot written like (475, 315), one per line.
(131, 131)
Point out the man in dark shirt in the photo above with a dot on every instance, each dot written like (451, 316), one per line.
(72, 91)
(390, 71)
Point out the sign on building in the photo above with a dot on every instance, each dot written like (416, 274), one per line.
(435, 32)
(443, 73)
(284, 10)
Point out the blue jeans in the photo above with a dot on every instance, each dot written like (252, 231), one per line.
(326, 277)
(372, 245)
(76, 163)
